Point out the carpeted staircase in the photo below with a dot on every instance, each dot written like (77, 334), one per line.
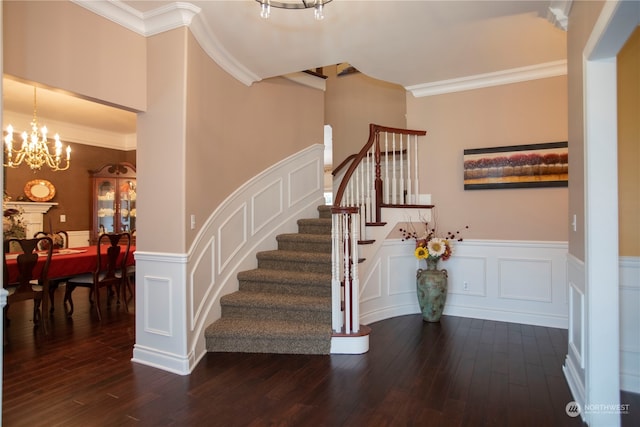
(284, 305)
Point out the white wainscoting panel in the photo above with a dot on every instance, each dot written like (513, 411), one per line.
(267, 205)
(78, 238)
(203, 272)
(525, 279)
(179, 294)
(511, 281)
(574, 363)
(232, 236)
(161, 300)
(630, 324)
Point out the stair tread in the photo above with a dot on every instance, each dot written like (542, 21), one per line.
(284, 305)
(285, 276)
(322, 238)
(234, 327)
(277, 300)
(315, 220)
(279, 254)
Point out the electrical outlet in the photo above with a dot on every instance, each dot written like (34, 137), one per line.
(63, 218)
(193, 222)
(466, 286)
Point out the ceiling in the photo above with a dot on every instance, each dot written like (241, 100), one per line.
(410, 43)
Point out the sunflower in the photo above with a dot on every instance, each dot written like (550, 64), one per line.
(421, 252)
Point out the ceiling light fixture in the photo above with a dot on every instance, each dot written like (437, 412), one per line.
(317, 5)
(35, 147)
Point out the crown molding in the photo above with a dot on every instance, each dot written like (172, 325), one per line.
(169, 17)
(479, 81)
(161, 19)
(558, 13)
(216, 51)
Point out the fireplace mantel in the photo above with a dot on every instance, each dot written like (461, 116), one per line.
(32, 214)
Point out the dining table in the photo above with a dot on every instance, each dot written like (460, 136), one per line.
(67, 262)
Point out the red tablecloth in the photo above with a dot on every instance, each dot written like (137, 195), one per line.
(67, 262)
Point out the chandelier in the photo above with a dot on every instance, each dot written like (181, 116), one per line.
(317, 5)
(34, 150)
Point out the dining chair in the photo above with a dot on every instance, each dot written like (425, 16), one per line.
(54, 283)
(29, 284)
(131, 272)
(110, 271)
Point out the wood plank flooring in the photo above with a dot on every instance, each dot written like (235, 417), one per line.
(459, 372)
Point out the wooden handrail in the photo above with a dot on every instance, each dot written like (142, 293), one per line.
(374, 137)
(344, 163)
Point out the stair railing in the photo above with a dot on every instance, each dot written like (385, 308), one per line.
(390, 153)
(345, 304)
(383, 173)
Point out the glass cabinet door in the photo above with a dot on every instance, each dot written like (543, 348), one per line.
(106, 195)
(127, 204)
(114, 199)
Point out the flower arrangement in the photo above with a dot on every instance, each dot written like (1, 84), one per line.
(429, 245)
(12, 222)
(57, 240)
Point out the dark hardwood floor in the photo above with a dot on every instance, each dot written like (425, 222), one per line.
(459, 372)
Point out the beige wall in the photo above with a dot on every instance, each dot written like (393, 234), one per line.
(64, 46)
(583, 16)
(354, 101)
(514, 114)
(161, 132)
(234, 132)
(629, 146)
(213, 133)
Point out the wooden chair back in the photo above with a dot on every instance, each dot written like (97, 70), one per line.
(29, 284)
(111, 264)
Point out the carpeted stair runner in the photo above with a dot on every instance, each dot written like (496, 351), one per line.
(284, 305)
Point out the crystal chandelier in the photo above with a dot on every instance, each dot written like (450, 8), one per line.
(34, 150)
(317, 5)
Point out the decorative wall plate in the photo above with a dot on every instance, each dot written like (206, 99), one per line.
(39, 190)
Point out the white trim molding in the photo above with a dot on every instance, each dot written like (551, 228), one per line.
(558, 13)
(508, 281)
(497, 78)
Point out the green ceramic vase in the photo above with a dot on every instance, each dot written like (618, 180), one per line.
(431, 286)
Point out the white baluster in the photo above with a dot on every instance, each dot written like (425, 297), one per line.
(410, 198)
(336, 289)
(355, 282)
(385, 193)
(347, 272)
(369, 183)
(402, 177)
(394, 184)
(415, 165)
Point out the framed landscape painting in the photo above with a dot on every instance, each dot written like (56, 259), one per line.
(517, 166)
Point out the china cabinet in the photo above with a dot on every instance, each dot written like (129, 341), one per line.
(114, 199)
